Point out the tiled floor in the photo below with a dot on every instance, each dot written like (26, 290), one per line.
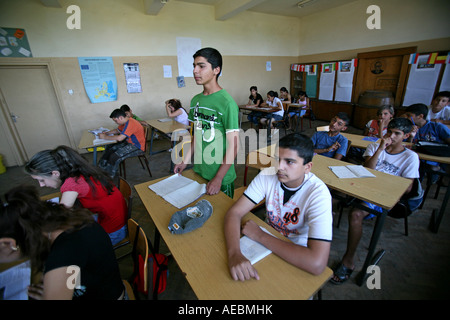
(414, 266)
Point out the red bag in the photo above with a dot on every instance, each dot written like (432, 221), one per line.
(158, 276)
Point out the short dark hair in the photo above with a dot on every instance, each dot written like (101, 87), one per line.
(254, 88)
(444, 94)
(402, 124)
(300, 143)
(418, 109)
(117, 113)
(125, 108)
(211, 55)
(344, 117)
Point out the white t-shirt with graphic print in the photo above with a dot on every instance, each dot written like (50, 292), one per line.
(307, 214)
(404, 164)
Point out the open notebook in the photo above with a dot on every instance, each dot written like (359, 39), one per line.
(351, 171)
(178, 190)
(253, 250)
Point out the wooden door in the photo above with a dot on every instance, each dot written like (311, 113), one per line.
(383, 70)
(31, 111)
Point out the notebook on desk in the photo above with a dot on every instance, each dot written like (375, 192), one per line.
(178, 190)
(351, 171)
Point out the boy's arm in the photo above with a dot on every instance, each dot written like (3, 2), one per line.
(239, 266)
(116, 137)
(213, 186)
(371, 161)
(313, 258)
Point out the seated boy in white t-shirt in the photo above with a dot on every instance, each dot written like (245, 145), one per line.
(298, 206)
(390, 156)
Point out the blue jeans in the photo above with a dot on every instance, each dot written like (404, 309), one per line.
(118, 235)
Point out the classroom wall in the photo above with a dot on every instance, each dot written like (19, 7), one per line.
(402, 21)
(122, 30)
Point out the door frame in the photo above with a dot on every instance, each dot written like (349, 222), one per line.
(12, 135)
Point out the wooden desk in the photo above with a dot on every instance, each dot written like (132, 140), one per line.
(267, 110)
(385, 191)
(87, 141)
(164, 127)
(358, 142)
(202, 256)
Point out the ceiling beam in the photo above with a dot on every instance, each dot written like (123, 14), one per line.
(226, 9)
(51, 3)
(153, 7)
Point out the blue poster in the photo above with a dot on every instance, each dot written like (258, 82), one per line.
(99, 78)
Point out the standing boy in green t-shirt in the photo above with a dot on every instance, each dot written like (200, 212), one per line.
(216, 126)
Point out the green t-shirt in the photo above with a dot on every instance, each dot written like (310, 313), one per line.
(135, 117)
(213, 115)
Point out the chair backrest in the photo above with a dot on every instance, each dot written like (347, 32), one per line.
(323, 128)
(126, 191)
(146, 131)
(139, 242)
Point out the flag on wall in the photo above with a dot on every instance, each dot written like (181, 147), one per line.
(433, 58)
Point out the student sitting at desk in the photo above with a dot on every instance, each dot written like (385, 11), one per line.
(216, 126)
(59, 240)
(125, 108)
(285, 95)
(378, 127)
(429, 131)
(300, 111)
(439, 110)
(298, 205)
(254, 100)
(78, 180)
(130, 139)
(390, 156)
(176, 111)
(331, 143)
(275, 103)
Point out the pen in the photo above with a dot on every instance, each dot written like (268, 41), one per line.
(412, 121)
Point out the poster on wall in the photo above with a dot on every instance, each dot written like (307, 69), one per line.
(99, 78)
(327, 76)
(14, 43)
(311, 81)
(344, 81)
(186, 47)
(421, 82)
(132, 77)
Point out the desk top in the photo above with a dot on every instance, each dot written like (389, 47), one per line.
(385, 190)
(87, 141)
(166, 126)
(201, 255)
(260, 109)
(357, 142)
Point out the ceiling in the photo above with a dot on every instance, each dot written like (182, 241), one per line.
(280, 7)
(225, 9)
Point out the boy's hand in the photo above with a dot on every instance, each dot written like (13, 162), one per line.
(385, 142)
(241, 269)
(213, 186)
(334, 146)
(179, 167)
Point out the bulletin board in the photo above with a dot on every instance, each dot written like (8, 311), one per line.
(14, 43)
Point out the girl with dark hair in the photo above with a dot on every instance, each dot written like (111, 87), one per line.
(67, 170)
(254, 100)
(73, 252)
(175, 110)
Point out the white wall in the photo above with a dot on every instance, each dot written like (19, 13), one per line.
(121, 28)
(402, 21)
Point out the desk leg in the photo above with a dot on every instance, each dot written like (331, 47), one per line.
(269, 131)
(95, 156)
(435, 221)
(373, 243)
(157, 240)
(151, 141)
